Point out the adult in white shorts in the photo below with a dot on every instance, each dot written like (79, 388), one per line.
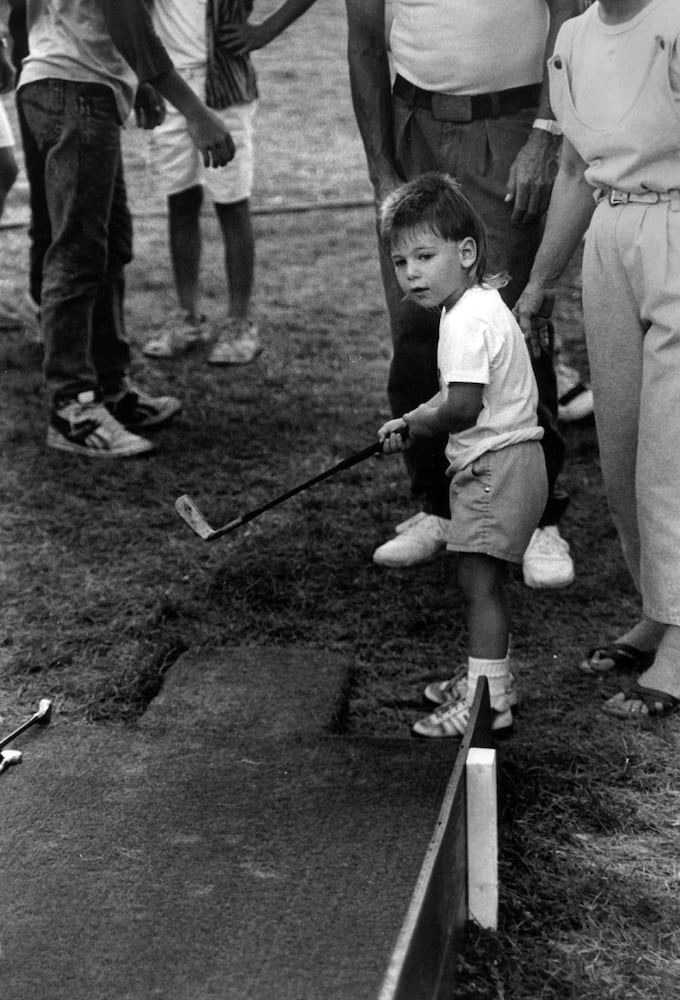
(228, 84)
(8, 164)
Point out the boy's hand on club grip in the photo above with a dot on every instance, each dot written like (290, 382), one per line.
(394, 436)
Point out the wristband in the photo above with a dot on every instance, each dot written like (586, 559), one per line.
(547, 125)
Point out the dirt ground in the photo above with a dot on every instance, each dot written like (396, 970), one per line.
(103, 587)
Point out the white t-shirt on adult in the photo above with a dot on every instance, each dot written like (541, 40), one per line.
(463, 47)
(480, 342)
(181, 27)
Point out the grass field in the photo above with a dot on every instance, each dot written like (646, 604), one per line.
(103, 587)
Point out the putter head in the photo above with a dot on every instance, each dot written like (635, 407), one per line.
(9, 757)
(189, 512)
(44, 711)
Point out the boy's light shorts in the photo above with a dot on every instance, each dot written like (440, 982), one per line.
(177, 165)
(497, 502)
(6, 136)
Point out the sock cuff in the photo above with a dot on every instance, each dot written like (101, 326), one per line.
(488, 668)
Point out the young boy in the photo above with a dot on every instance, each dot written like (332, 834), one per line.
(209, 45)
(487, 405)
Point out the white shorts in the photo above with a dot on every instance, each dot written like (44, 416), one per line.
(177, 165)
(6, 136)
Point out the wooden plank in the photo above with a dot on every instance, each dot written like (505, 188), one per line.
(482, 836)
(422, 965)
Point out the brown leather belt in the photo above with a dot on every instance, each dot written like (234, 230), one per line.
(460, 108)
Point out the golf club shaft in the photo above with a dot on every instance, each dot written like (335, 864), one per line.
(41, 716)
(17, 732)
(346, 463)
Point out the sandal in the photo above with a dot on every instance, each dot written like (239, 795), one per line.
(638, 702)
(618, 656)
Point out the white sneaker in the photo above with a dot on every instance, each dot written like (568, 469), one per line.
(417, 540)
(547, 562)
(179, 334)
(84, 426)
(238, 344)
(454, 690)
(574, 397)
(136, 410)
(453, 719)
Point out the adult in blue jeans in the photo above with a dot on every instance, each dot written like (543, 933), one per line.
(459, 87)
(78, 82)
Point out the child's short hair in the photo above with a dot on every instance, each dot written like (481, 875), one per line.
(434, 200)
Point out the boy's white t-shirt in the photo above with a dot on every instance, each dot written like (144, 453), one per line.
(481, 342)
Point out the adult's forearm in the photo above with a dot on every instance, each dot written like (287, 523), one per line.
(571, 209)
(131, 28)
(370, 84)
(177, 92)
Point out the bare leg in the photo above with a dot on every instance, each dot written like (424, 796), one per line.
(664, 673)
(481, 579)
(239, 254)
(645, 635)
(185, 246)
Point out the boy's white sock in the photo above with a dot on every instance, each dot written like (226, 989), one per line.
(497, 673)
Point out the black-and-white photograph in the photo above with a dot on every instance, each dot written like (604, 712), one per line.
(339, 499)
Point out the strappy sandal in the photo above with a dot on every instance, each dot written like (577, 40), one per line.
(617, 656)
(638, 702)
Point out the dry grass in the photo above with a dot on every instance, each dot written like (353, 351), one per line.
(102, 586)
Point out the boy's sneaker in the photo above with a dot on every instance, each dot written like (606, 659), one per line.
(136, 410)
(84, 426)
(574, 397)
(454, 690)
(453, 719)
(417, 540)
(547, 562)
(237, 344)
(179, 334)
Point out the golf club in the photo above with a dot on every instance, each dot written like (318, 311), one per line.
(9, 757)
(42, 716)
(189, 512)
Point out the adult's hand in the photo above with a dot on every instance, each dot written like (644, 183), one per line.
(532, 309)
(149, 107)
(532, 176)
(243, 38)
(211, 138)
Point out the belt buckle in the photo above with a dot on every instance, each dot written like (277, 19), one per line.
(452, 108)
(618, 197)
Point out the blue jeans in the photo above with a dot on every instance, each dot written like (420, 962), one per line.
(479, 154)
(76, 159)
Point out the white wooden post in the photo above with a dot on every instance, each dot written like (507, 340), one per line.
(482, 836)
